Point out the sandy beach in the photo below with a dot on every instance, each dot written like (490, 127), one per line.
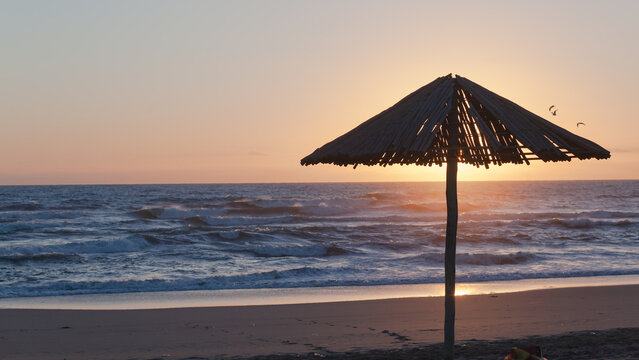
(392, 328)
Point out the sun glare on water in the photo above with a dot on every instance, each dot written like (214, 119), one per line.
(465, 172)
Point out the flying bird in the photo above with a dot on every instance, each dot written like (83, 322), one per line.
(580, 123)
(553, 112)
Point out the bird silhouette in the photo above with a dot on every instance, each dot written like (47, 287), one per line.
(580, 123)
(553, 112)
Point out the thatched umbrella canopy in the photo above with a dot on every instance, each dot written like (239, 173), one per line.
(453, 120)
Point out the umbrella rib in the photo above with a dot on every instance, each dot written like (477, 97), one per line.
(506, 152)
(421, 115)
(442, 107)
(483, 129)
(518, 124)
(515, 127)
(496, 111)
(412, 133)
(475, 136)
(375, 146)
(368, 127)
(560, 132)
(576, 144)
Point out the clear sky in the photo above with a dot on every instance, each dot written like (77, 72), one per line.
(240, 91)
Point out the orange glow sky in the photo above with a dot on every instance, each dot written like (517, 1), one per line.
(205, 91)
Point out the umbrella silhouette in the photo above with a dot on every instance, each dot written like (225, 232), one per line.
(452, 120)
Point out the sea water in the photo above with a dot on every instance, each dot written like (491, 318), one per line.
(65, 240)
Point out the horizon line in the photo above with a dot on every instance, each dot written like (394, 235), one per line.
(306, 182)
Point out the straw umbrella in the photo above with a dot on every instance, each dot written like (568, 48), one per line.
(453, 120)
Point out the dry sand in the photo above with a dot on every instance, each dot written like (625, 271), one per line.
(395, 328)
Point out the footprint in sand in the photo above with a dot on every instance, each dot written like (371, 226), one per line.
(396, 335)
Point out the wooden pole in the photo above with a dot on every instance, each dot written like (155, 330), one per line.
(451, 231)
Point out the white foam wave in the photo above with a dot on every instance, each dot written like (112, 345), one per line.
(128, 244)
(480, 259)
(589, 223)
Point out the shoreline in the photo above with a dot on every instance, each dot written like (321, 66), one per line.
(283, 296)
(325, 328)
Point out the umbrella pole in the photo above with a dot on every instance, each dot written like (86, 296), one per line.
(451, 236)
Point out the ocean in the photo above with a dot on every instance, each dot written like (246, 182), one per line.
(94, 239)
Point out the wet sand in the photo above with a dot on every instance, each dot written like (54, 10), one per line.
(393, 328)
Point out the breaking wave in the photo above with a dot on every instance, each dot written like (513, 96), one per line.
(479, 259)
(18, 258)
(589, 224)
(129, 244)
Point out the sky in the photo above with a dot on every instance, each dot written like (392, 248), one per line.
(239, 91)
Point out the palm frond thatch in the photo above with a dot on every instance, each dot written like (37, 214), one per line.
(492, 130)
